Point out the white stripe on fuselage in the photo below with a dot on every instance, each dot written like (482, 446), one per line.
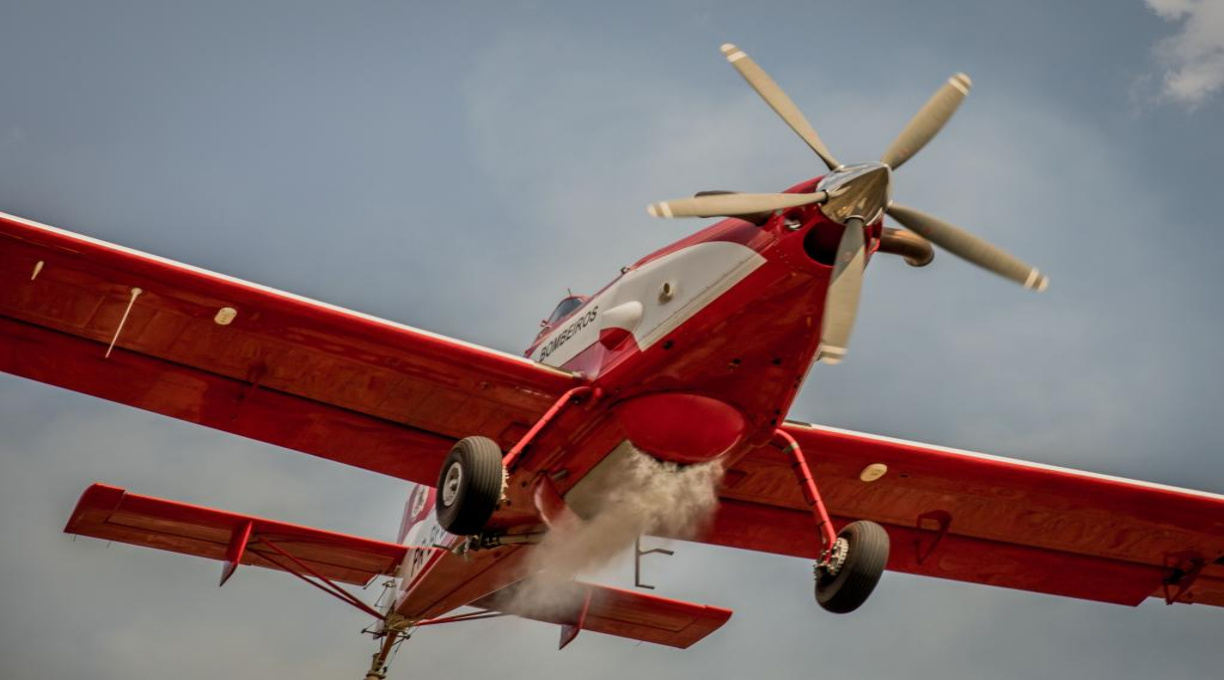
(697, 275)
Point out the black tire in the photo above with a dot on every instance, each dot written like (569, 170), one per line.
(866, 555)
(469, 485)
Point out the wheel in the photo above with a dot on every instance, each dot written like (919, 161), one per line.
(858, 560)
(470, 485)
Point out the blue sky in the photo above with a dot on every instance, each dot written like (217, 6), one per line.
(457, 167)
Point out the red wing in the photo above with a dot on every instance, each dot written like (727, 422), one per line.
(613, 611)
(246, 359)
(984, 519)
(113, 514)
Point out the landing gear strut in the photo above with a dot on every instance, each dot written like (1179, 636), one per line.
(396, 630)
(852, 560)
(393, 635)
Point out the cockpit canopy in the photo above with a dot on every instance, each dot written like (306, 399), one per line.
(564, 309)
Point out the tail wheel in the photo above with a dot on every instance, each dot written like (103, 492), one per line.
(470, 485)
(858, 559)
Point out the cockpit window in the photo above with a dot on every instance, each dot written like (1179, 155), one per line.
(565, 308)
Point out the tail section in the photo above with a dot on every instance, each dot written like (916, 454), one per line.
(613, 611)
(113, 514)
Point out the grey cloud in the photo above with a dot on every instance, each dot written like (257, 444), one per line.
(1194, 56)
(457, 169)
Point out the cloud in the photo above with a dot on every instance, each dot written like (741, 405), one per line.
(535, 146)
(1193, 59)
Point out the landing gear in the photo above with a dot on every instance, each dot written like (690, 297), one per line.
(470, 485)
(847, 577)
(392, 636)
(851, 561)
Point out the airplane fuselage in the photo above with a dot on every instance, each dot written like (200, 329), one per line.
(731, 315)
(695, 353)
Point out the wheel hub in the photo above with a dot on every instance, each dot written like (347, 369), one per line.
(834, 558)
(450, 485)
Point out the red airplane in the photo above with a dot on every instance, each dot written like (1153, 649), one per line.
(692, 357)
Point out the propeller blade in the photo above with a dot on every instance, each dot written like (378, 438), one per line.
(928, 121)
(730, 205)
(842, 299)
(969, 247)
(778, 101)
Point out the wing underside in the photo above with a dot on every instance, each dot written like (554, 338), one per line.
(985, 519)
(206, 348)
(203, 347)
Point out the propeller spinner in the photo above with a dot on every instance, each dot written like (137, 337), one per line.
(856, 196)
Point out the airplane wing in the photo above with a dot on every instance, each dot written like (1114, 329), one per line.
(257, 362)
(113, 514)
(985, 519)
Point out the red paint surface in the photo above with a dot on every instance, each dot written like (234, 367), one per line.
(392, 399)
(611, 338)
(287, 371)
(1012, 525)
(679, 427)
(626, 613)
(113, 514)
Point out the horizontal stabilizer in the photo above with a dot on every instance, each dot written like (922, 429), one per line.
(113, 514)
(580, 606)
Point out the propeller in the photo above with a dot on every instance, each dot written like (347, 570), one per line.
(732, 204)
(856, 196)
(778, 101)
(929, 120)
(969, 247)
(841, 301)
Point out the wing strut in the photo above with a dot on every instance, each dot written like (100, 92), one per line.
(300, 570)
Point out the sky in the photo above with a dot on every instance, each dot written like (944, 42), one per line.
(457, 166)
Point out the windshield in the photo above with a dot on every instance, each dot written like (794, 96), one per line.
(565, 308)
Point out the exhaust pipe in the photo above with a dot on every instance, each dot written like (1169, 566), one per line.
(916, 250)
